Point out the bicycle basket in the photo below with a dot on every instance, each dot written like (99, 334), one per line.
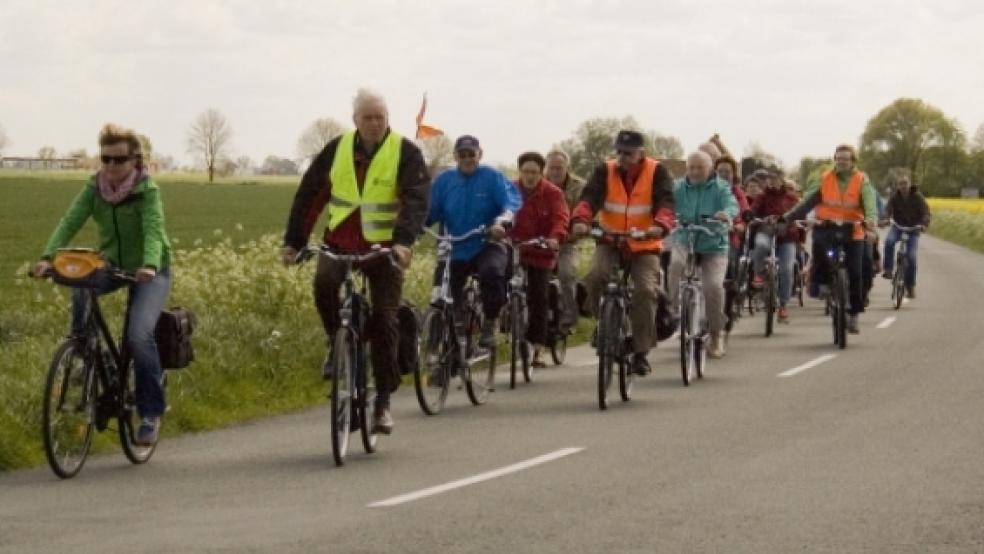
(78, 267)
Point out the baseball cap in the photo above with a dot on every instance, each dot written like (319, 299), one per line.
(628, 140)
(466, 142)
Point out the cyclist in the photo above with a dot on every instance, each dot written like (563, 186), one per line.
(557, 172)
(125, 204)
(543, 214)
(908, 208)
(844, 194)
(463, 199)
(633, 191)
(698, 196)
(726, 169)
(390, 212)
(776, 199)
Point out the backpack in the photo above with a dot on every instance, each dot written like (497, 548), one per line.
(173, 335)
(409, 323)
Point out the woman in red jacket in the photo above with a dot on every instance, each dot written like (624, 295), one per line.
(775, 200)
(543, 214)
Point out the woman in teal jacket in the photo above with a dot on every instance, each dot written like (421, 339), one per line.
(125, 204)
(698, 196)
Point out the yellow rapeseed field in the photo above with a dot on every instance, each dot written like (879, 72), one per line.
(973, 206)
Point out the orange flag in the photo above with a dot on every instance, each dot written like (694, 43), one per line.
(426, 131)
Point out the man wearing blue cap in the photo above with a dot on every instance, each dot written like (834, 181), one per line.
(466, 198)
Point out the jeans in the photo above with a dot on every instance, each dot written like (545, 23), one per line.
(646, 275)
(383, 329)
(489, 265)
(712, 268)
(568, 286)
(786, 253)
(824, 239)
(146, 302)
(913, 251)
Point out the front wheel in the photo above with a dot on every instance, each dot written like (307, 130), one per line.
(365, 387)
(68, 411)
(558, 349)
(840, 310)
(341, 358)
(898, 283)
(432, 376)
(771, 286)
(689, 339)
(609, 349)
(480, 380)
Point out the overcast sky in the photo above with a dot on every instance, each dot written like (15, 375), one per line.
(798, 77)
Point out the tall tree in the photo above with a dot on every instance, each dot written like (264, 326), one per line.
(665, 146)
(208, 139)
(244, 164)
(314, 138)
(438, 153)
(47, 153)
(809, 169)
(903, 134)
(754, 149)
(976, 144)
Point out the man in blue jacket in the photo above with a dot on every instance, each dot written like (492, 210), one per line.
(463, 199)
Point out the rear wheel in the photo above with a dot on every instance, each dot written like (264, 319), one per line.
(480, 360)
(129, 420)
(432, 376)
(68, 412)
(342, 358)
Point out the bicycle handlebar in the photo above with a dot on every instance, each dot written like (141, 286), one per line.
(904, 229)
(480, 230)
(309, 252)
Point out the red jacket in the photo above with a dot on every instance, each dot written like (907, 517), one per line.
(777, 202)
(734, 236)
(544, 214)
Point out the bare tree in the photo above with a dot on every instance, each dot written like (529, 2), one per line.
(3, 140)
(976, 143)
(208, 138)
(314, 138)
(244, 164)
(755, 150)
(47, 153)
(438, 153)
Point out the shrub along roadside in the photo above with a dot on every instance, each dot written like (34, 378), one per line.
(959, 227)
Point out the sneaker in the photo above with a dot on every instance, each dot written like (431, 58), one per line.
(910, 292)
(640, 365)
(887, 275)
(382, 421)
(852, 324)
(487, 339)
(758, 281)
(783, 314)
(715, 349)
(148, 431)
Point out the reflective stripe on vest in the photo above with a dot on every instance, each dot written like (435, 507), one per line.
(377, 203)
(844, 207)
(623, 213)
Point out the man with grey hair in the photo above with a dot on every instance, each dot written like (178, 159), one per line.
(700, 196)
(558, 172)
(390, 212)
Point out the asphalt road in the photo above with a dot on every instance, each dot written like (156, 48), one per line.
(878, 449)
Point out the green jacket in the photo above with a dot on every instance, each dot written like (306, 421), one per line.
(696, 201)
(131, 233)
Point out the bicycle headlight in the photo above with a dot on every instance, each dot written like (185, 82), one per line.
(77, 263)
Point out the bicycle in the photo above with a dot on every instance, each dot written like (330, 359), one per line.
(614, 331)
(556, 336)
(901, 262)
(739, 286)
(799, 284)
(353, 390)
(516, 314)
(693, 319)
(836, 302)
(91, 377)
(450, 348)
(770, 290)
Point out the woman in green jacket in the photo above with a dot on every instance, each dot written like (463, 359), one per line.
(125, 204)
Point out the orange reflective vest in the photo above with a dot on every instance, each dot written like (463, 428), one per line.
(844, 207)
(622, 212)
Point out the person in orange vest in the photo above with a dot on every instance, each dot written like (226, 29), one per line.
(842, 194)
(633, 191)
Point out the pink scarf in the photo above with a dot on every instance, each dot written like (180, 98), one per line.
(119, 194)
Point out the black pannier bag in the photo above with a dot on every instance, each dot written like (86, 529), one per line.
(409, 321)
(173, 334)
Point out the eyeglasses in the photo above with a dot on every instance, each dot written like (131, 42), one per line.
(118, 160)
(466, 154)
(624, 153)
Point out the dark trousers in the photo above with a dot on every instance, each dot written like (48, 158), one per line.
(824, 239)
(489, 265)
(537, 299)
(383, 330)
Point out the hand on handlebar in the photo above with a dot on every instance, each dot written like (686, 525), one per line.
(288, 256)
(580, 229)
(497, 232)
(145, 275)
(41, 268)
(402, 256)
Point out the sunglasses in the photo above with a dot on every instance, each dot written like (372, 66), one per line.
(118, 160)
(624, 153)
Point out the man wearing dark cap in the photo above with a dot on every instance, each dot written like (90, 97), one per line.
(463, 199)
(633, 191)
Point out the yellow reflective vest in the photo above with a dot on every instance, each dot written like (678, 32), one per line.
(378, 200)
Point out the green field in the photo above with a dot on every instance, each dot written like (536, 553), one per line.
(259, 342)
